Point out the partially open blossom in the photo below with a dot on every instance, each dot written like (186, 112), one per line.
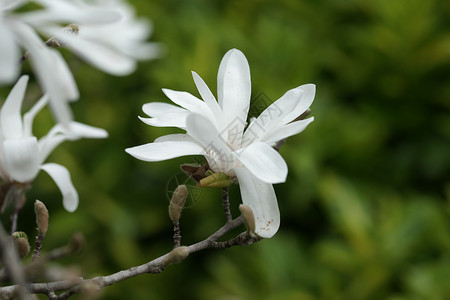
(218, 130)
(22, 155)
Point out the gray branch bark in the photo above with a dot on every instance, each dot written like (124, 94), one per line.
(152, 267)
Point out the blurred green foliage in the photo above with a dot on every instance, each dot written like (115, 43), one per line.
(366, 207)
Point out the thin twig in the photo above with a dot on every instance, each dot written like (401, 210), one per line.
(176, 234)
(226, 204)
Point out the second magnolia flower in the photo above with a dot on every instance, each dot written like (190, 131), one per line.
(218, 130)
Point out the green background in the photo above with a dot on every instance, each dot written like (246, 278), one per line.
(366, 205)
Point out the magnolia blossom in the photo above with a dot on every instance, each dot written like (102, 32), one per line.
(22, 155)
(107, 36)
(218, 130)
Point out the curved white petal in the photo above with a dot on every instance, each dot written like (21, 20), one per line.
(98, 54)
(80, 130)
(52, 77)
(156, 109)
(9, 54)
(28, 117)
(21, 158)
(190, 102)
(305, 94)
(164, 150)
(177, 119)
(261, 198)
(61, 177)
(48, 143)
(207, 96)
(264, 162)
(286, 131)
(270, 118)
(10, 115)
(234, 89)
(178, 137)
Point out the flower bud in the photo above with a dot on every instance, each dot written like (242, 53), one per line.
(41, 217)
(22, 244)
(218, 179)
(249, 218)
(177, 202)
(176, 255)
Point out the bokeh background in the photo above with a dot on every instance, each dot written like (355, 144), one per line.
(366, 206)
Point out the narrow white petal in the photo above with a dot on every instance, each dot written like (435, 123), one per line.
(264, 162)
(44, 62)
(286, 131)
(261, 198)
(270, 118)
(164, 150)
(156, 109)
(61, 177)
(80, 130)
(10, 115)
(96, 53)
(190, 102)
(48, 143)
(178, 137)
(207, 96)
(21, 158)
(177, 119)
(305, 94)
(9, 55)
(234, 89)
(28, 117)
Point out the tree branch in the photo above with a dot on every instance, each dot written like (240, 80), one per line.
(152, 267)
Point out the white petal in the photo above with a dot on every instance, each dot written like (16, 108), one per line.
(264, 162)
(10, 116)
(204, 132)
(61, 177)
(155, 109)
(80, 130)
(168, 120)
(9, 55)
(234, 89)
(48, 143)
(287, 131)
(305, 94)
(45, 63)
(98, 54)
(28, 117)
(190, 102)
(21, 158)
(207, 96)
(175, 138)
(164, 150)
(270, 118)
(69, 12)
(261, 198)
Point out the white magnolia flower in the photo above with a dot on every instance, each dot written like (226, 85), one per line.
(22, 155)
(217, 131)
(108, 37)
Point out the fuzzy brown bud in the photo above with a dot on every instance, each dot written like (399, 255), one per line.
(176, 255)
(177, 203)
(41, 217)
(249, 218)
